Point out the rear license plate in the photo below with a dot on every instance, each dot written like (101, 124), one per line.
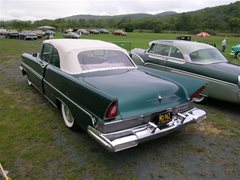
(162, 118)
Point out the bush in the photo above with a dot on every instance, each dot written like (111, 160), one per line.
(129, 28)
(157, 29)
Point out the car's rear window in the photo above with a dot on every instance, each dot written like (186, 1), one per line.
(207, 56)
(103, 59)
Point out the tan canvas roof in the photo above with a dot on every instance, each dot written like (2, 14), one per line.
(69, 49)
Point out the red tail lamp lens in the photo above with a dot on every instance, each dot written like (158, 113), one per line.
(112, 111)
(196, 94)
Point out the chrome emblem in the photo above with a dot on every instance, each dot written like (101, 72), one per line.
(159, 98)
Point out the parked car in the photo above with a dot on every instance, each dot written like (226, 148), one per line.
(27, 35)
(119, 32)
(82, 31)
(12, 34)
(94, 31)
(72, 35)
(103, 31)
(40, 34)
(236, 51)
(3, 32)
(184, 37)
(100, 89)
(50, 33)
(197, 60)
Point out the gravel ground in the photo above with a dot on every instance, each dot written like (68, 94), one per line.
(199, 151)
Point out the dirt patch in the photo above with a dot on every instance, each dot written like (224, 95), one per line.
(208, 128)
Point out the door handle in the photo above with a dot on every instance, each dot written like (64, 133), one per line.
(42, 64)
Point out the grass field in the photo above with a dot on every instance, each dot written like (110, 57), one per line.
(35, 144)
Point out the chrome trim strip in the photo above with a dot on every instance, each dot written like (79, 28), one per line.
(159, 57)
(176, 60)
(21, 68)
(33, 71)
(167, 58)
(146, 117)
(50, 101)
(193, 74)
(138, 57)
(106, 69)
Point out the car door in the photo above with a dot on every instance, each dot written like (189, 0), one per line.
(175, 60)
(157, 55)
(39, 66)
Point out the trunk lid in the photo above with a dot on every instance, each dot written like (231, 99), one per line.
(138, 93)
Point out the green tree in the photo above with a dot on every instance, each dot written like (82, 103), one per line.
(184, 22)
(129, 27)
(234, 24)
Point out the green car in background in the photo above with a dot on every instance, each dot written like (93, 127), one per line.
(236, 51)
(99, 88)
(198, 60)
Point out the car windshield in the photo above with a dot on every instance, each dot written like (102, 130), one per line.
(207, 56)
(95, 60)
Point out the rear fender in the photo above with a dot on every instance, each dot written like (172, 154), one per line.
(190, 85)
(85, 101)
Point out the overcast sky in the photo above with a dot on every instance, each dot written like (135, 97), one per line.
(53, 9)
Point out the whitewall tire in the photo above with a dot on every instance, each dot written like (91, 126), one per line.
(67, 116)
(238, 55)
(199, 99)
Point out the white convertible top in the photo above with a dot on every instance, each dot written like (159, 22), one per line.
(69, 49)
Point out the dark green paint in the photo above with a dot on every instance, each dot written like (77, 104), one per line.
(90, 94)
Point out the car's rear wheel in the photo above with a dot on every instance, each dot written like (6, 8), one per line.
(238, 55)
(67, 117)
(199, 99)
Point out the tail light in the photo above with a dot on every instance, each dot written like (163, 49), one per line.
(112, 110)
(196, 94)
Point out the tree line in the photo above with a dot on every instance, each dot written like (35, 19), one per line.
(218, 19)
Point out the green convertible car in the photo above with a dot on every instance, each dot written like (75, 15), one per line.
(98, 88)
(197, 60)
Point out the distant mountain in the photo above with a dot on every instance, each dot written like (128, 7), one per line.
(127, 16)
(166, 13)
(86, 17)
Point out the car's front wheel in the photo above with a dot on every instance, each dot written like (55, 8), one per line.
(28, 81)
(67, 117)
(238, 55)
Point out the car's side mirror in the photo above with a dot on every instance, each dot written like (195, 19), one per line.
(35, 55)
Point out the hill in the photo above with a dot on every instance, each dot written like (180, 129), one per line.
(125, 16)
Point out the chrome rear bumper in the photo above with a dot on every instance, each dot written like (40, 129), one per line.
(128, 138)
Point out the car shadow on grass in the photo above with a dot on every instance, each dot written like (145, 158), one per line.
(230, 110)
